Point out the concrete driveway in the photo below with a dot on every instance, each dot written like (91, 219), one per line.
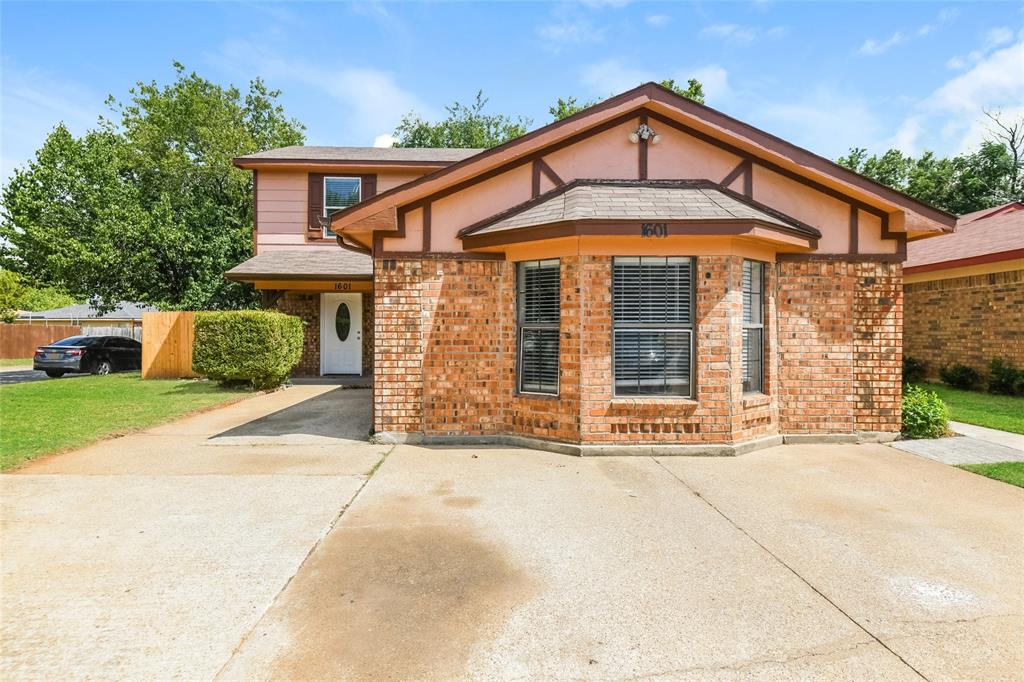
(816, 562)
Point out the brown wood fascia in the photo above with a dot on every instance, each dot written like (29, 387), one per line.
(253, 164)
(436, 255)
(641, 170)
(983, 259)
(854, 229)
(249, 277)
(607, 228)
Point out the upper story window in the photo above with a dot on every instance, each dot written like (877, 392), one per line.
(652, 317)
(753, 326)
(538, 299)
(339, 193)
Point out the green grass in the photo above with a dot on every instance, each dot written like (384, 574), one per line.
(1002, 412)
(42, 417)
(15, 362)
(1007, 472)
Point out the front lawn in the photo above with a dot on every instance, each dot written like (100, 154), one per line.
(1008, 472)
(15, 362)
(42, 417)
(1002, 412)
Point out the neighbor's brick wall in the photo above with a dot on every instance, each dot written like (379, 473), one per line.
(965, 319)
(839, 326)
(307, 307)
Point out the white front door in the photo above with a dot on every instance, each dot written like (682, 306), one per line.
(341, 333)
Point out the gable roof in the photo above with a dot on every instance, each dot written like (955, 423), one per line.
(741, 138)
(372, 156)
(639, 200)
(989, 235)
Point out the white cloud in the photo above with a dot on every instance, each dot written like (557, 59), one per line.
(950, 119)
(569, 32)
(384, 140)
(740, 34)
(657, 20)
(33, 103)
(715, 80)
(872, 47)
(367, 99)
(998, 36)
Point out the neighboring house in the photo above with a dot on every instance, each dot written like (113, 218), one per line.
(965, 292)
(646, 272)
(125, 315)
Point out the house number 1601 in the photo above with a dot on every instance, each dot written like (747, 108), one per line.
(657, 230)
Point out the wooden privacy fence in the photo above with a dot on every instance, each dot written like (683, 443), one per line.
(167, 345)
(21, 340)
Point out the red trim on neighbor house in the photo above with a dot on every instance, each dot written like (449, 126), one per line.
(965, 262)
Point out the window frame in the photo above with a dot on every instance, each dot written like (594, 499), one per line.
(328, 211)
(762, 266)
(690, 330)
(522, 327)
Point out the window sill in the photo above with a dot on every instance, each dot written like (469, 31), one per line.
(756, 400)
(654, 400)
(540, 396)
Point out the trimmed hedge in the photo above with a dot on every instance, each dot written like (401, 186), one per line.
(260, 347)
(924, 414)
(960, 376)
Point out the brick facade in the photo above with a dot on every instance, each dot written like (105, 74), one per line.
(445, 356)
(969, 320)
(306, 306)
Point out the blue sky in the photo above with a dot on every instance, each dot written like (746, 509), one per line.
(827, 76)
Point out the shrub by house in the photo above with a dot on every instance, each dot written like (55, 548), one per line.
(255, 346)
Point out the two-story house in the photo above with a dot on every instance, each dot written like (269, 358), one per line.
(646, 273)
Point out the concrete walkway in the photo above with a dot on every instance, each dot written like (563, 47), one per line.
(972, 445)
(150, 556)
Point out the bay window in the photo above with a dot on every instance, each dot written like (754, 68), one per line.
(538, 300)
(753, 326)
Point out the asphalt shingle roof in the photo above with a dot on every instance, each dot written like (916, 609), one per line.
(310, 262)
(124, 310)
(640, 200)
(368, 154)
(982, 233)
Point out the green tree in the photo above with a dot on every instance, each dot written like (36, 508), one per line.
(466, 126)
(149, 206)
(11, 291)
(567, 107)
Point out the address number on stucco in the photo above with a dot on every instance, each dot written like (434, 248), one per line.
(656, 230)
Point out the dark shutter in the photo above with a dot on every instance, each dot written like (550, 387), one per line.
(369, 183)
(652, 311)
(538, 288)
(316, 205)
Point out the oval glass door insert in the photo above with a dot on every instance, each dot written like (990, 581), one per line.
(343, 321)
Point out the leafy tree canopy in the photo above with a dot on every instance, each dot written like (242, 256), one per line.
(466, 126)
(567, 107)
(148, 206)
(991, 176)
(16, 295)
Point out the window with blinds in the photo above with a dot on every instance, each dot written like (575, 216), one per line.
(538, 299)
(753, 326)
(653, 313)
(340, 193)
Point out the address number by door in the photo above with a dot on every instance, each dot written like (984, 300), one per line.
(655, 230)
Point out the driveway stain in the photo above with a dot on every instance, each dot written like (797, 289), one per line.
(397, 601)
(461, 501)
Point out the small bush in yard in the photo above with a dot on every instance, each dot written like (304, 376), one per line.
(256, 346)
(1004, 378)
(914, 370)
(924, 414)
(960, 376)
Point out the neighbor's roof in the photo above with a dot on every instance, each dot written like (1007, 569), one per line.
(307, 263)
(990, 235)
(124, 310)
(643, 200)
(412, 156)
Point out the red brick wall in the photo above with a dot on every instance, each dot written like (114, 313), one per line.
(839, 327)
(966, 319)
(446, 354)
(307, 307)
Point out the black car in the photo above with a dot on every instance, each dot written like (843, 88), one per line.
(88, 354)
